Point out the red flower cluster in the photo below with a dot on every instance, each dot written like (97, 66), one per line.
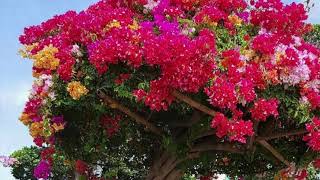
(313, 137)
(237, 83)
(46, 154)
(122, 78)
(186, 64)
(246, 90)
(264, 108)
(316, 163)
(111, 125)
(222, 94)
(215, 11)
(313, 98)
(284, 21)
(264, 43)
(235, 129)
(293, 172)
(81, 167)
(84, 169)
(120, 44)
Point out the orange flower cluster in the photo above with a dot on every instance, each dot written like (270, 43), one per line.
(45, 59)
(76, 90)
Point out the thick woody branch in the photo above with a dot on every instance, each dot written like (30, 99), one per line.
(193, 103)
(283, 134)
(165, 166)
(107, 100)
(209, 146)
(205, 134)
(196, 117)
(252, 138)
(266, 145)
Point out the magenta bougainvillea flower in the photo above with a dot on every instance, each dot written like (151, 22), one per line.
(42, 170)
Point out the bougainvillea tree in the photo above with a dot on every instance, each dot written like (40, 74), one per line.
(172, 87)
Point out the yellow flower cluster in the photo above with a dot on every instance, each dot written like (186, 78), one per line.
(207, 20)
(45, 59)
(57, 127)
(76, 90)
(249, 53)
(134, 26)
(36, 129)
(25, 52)
(234, 19)
(279, 55)
(112, 24)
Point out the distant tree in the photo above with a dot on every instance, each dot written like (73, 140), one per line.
(314, 36)
(29, 157)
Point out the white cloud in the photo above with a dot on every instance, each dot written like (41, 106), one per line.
(314, 16)
(14, 97)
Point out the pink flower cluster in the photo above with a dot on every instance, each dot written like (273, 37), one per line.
(186, 64)
(263, 108)
(313, 137)
(42, 126)
(216, 11)
(42, 170)
(264, 43)
(222, 94)
(284, 21)
(8, 161)
(235, 129)
(313, 97)
(236, 84)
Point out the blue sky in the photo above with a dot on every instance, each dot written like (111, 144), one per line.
(15, 73)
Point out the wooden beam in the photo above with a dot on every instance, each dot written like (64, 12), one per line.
(283, 134)
(107, 100)
(193, 103)
(266, 145)
(209, 146)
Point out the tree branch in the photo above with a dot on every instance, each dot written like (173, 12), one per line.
(266, 145)
(205, 134)
(283, 134)
(252, 138)
(196, 117)
(209, 146)
(193, 103)
(139, 119)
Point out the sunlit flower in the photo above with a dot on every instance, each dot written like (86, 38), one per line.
(113, 24)
(76, 50)
(57, 127)
(134, 26)
(36, 129)
(76, 90)
(234, 19)
(46, 59)
(25, 119)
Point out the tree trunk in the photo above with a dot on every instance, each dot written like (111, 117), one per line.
(165, 168)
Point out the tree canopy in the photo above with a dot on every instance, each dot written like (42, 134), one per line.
(136, 89)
